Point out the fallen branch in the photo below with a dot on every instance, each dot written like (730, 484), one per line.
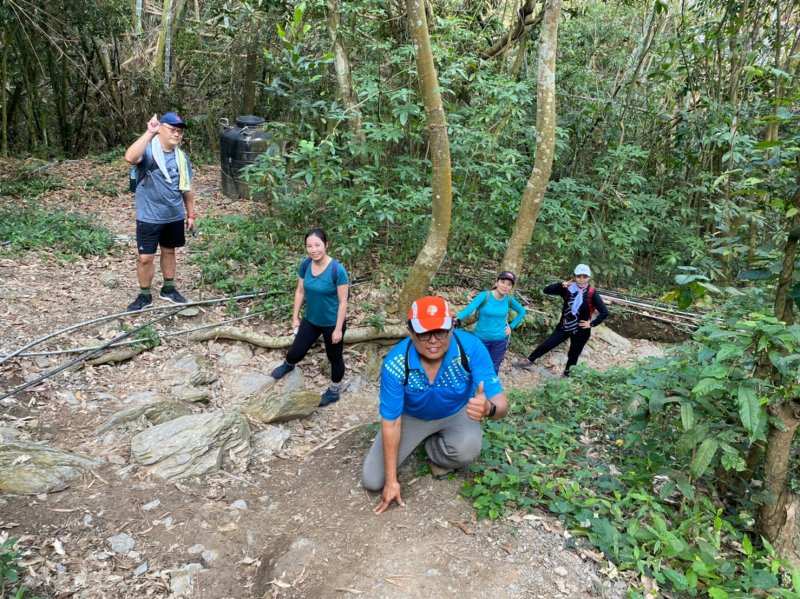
(330, 440)
(356, 335)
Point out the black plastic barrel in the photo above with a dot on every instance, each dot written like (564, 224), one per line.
(239, 146)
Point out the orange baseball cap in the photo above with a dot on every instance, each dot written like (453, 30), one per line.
(430, 313)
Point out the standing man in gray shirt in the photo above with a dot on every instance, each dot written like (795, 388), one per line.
(164, 204)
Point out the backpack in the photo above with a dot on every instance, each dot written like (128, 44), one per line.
(135, 177)
(590, 297)
(334, 269)
(461, 353)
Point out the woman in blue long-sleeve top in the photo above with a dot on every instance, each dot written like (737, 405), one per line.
(493, 307)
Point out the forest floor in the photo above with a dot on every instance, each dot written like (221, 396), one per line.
(293, 524)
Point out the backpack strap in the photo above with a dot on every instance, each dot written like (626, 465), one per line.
(483, 303)
(304, 266)
(461, 354)
(406, 369)
(334, 269)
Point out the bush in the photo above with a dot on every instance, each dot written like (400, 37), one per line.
(29, 228)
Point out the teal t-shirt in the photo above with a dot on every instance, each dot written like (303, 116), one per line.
(493, 315)
(322, 300)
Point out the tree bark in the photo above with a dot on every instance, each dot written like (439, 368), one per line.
(535, 189)
(525, 19)
(161, 57)
(778, 519)
(344, 79)
(4, 96)
(430, 257)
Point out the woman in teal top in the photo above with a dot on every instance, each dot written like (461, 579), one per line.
(493, 308)
(322, 283)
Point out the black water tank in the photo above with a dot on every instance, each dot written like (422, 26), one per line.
(239, 146)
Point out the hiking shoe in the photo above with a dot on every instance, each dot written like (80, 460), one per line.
(525, 364)
(173, 296)
(330, 396)
(281, 371)
(141, 301)
(439, 472)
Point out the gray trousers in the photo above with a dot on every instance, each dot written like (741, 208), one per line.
(450, 442)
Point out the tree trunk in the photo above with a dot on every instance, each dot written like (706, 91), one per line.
(4, 96)
(251, 72)
(344, 79)
(535, 189)
(778, 519)
(430, 257)
(161, 57)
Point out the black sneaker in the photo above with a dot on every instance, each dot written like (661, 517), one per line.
(524, 364)
(330, 396)
(281, 371)
(172, 295)
(141, 301)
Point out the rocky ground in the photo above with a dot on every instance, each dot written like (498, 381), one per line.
(273, 510)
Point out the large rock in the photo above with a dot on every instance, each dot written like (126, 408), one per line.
(155, 413)
(193, 445)
(189, 368)
(284, 401)
(249, 383)
(611, 338)
(237, 355)
(270, 440)
(30, 468)
(191, 393)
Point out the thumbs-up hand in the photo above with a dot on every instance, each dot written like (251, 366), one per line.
(478, 406)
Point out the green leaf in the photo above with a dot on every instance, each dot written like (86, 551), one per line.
(728, 350)
(677, 579)
(756, 274)
(703, 457)
(687, 416)
(763, 579)
(747, 546)
(717, 593)
(750, 411)
(707, 386)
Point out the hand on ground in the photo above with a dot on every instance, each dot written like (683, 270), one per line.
(391, 493)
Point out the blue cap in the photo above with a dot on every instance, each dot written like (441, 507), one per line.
(172, 118)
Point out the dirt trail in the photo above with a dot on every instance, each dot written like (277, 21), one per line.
(293, 525)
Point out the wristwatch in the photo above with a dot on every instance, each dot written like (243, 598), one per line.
(492, 410)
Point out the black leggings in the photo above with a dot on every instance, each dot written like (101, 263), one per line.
(307, 334)
(577, 339)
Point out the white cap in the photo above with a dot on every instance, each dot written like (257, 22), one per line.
(583, 269)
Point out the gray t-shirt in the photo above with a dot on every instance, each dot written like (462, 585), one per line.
(158, 201)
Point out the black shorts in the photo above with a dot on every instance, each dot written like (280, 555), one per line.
(150, 235)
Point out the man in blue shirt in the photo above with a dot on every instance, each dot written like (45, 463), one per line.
(164, 204)
(436, 387)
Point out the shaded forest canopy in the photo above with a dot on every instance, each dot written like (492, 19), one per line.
(676, 137)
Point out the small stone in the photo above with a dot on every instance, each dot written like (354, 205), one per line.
(560, 571)
(116, 459)
(151, 505)
(182, 579)
(167, 522)
(209, 555)
(140, 569)
(432, 572)
(121, 543)
(239, 504)
(109, 280)
(189, 312)
(194, 549)
(87, 520)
